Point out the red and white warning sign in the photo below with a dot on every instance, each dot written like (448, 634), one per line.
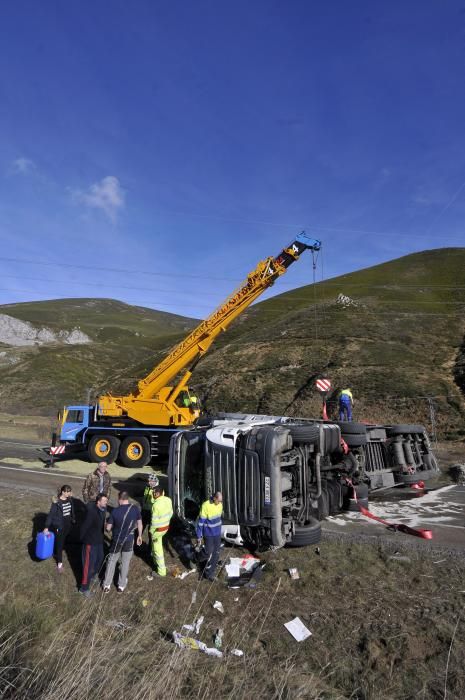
(323, 385)
(57, 449)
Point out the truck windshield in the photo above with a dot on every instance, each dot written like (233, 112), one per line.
(192, 474)
(75, 416)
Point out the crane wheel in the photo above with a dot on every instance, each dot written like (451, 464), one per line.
(135, 452)
(103, 448)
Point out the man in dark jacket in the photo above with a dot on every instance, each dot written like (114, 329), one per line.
(98, 481)
(60, 519)
(92, 530)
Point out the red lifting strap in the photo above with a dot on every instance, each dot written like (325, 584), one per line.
(418, 532)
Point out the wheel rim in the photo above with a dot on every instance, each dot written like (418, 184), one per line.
(102, 448)
(134, 450)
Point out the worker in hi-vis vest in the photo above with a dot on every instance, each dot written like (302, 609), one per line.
(346, 402)
(162, 512)
(209, 530)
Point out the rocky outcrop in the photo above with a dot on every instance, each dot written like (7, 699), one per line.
(17, 333)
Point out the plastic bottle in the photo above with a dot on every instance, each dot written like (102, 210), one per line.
(219, 638)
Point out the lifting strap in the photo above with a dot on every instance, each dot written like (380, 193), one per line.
(397, 527)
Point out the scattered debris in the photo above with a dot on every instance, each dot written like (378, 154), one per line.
(218, 605)
(144, 602)
(298, 630)
(439, 561)
(194, 644)
(198, 624)
(344, 301)
(317, 550)
(294, 573)
(117, 624)
(244, 572)
(400, 557)
(237, 652)
(219, 638)
(185, 573)
(194, 597)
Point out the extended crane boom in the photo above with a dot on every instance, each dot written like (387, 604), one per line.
(138, 427)
(155, 402)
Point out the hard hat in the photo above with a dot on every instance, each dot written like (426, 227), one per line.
(154, 480)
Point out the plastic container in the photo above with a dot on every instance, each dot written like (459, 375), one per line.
(219, 638)
(44, 545)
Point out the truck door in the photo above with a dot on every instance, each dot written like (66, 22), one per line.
(75, 419)
(186, 473)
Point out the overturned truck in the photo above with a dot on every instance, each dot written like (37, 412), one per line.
(281, 476)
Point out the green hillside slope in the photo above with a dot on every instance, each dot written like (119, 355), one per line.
(396, 343)
(40, 379)
(398, 340)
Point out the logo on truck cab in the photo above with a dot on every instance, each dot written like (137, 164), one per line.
(267, 490)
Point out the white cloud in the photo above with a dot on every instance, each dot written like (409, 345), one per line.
(23, 166)
(107, 195)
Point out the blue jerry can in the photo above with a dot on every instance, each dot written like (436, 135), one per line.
(44, 545)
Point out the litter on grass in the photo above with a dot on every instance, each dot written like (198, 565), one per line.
(218, 605)
(195, 645)
(117, 624)
(243, 572)
(185, 573)
(294, 573)
(195, 627)
(237, 652)
(298, 630)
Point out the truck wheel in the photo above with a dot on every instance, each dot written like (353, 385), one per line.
(355, 440)
(103, 448)
(305, 433)
(352, 428)
(306, 534)
(135, 452)
(404, 430)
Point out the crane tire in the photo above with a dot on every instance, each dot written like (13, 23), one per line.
(135, 452)
(103, 448)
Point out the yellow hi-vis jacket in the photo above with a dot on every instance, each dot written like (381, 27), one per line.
(347, 392)
(209, 522)
(162, 512)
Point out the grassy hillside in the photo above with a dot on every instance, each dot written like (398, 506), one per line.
(40, 379)
(399, 341)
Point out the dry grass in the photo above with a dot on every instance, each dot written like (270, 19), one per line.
(382, 628)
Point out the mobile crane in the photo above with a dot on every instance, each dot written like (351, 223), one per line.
(139, 426)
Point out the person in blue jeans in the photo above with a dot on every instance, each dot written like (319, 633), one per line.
(209, 531)
(122, 523)
(346, 402)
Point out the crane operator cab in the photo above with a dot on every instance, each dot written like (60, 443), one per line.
(187, 400)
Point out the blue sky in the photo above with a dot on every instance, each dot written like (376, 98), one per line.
(155, 152)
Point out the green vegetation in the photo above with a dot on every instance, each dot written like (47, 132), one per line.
(382, 628)
(398, 344)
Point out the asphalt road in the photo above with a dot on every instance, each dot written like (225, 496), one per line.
(441, 510)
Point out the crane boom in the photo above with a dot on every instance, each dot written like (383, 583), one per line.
(154, 401)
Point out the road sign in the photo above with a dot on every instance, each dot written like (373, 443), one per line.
(323, 385)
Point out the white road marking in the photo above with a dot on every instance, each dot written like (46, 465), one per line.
(35, 471)
(22, 444)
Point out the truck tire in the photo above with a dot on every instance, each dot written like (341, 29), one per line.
(305, 433)
(355, 440)
(306, 534)
(135, 452)
(352, 428)
(404, 430)
(103, 448)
